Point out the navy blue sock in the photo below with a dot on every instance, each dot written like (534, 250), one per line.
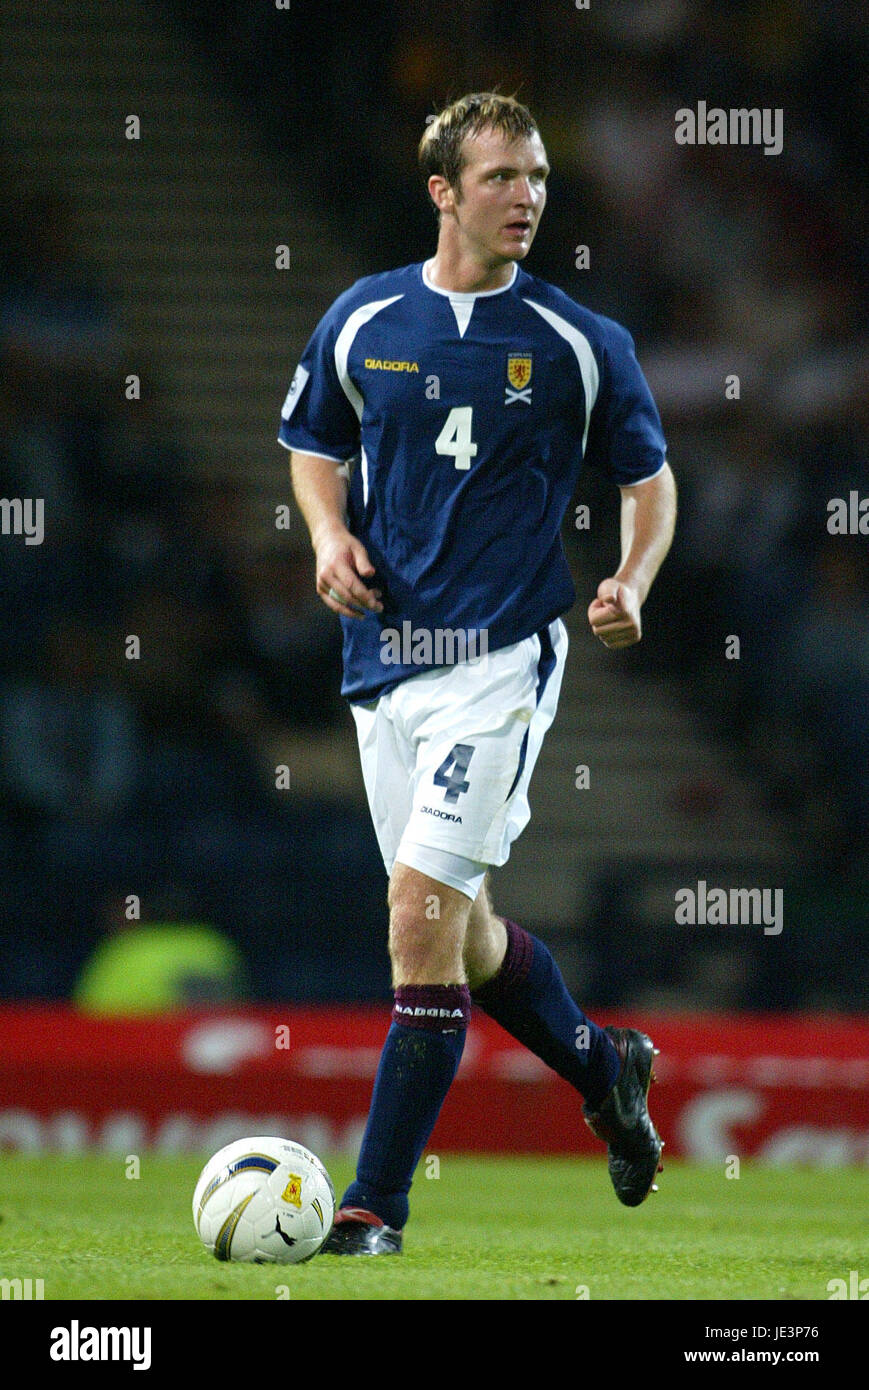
(529, 998)
(423, 1048)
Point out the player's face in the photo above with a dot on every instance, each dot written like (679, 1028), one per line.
(503, 193)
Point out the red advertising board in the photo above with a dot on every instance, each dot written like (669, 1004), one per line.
(778, 1089)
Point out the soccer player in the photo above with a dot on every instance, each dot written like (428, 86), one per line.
(437, 422)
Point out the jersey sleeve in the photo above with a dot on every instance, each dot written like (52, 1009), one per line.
(625, 437)
(317, 417)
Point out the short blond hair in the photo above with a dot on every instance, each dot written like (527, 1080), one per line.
(441, 147)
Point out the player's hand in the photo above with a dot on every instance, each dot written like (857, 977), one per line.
(615, 614)
(342, 566)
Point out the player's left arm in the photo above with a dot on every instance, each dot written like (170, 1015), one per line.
(648, 520)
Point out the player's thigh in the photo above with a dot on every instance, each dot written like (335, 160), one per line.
(468, 727)
(550, 673)
(477, 731)
(387, 762)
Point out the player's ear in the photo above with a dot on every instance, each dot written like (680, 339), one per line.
(441, 193)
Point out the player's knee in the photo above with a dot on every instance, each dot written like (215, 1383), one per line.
(426, 930)
(485, 943)
(424, 952)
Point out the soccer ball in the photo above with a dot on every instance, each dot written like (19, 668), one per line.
(264, 1201)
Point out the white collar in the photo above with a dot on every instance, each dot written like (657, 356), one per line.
(460, 295)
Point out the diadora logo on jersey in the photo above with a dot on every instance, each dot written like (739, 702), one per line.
(441, 815)
(380, 364)
(518, 388)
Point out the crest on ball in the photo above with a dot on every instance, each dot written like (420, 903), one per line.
(264, 1200)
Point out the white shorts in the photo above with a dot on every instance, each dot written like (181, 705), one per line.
(447, 757)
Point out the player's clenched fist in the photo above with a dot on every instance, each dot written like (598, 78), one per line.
(342, 567)
(615, 614)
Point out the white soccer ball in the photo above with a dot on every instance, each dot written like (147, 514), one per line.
(264, 1201)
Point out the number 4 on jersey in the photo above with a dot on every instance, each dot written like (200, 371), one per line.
(455, 437)
(458, 758)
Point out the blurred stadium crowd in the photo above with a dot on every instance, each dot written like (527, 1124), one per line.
(126, 773)
(147, 775)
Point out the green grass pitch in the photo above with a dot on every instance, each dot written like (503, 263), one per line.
(485, 1228)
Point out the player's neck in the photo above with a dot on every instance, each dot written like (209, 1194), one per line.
(451, 269)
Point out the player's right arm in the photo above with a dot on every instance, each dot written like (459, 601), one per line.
(342, 563)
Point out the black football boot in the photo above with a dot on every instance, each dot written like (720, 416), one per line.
(623, 1121)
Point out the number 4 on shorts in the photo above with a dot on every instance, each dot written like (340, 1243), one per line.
(457, 759)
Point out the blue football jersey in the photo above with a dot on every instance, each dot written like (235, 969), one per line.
(466, 419)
